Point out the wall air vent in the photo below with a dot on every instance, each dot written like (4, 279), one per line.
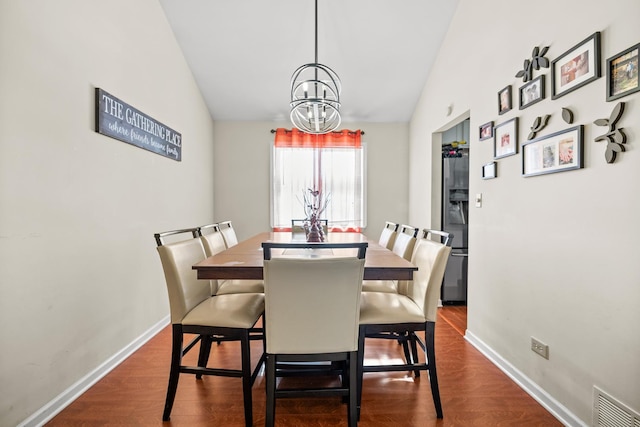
(609, 412)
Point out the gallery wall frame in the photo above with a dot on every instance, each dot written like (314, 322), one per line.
(490, 170)
(505, 139)
(504, 100)
(622, 73)
(577, 67)
(558, 152)
(485, 131)
(531, 92)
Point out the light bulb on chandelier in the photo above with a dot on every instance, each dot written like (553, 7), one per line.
(315, 95)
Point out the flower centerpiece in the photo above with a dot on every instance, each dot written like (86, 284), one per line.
(314, 204)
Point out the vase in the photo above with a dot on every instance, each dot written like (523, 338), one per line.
(315, 233)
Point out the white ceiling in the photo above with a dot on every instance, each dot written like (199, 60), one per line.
(242, 52)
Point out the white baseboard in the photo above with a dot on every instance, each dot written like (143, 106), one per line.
(542, 397)
(51, 409)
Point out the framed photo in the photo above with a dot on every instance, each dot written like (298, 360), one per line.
(558, 152)
(489, 170)
(622, 73)
(532, 92)
(505, 139)
(576, 67)
(486, 131)
(504, 100)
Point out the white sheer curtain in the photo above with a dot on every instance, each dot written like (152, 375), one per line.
(337, 171)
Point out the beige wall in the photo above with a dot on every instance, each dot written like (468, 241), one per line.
(79, 275)
(242, 171)
(551, 256)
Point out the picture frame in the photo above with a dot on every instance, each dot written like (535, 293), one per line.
(622, 73)
(490, 170)
(504, 100)
(505, 139)
(531, 92)
(558, 152)
(485, 131)
(576, 67)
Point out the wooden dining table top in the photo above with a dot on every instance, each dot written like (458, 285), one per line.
(245, 260)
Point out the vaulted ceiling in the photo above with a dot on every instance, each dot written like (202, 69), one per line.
(243, 52)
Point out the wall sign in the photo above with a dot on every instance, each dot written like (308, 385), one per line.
(121, 121)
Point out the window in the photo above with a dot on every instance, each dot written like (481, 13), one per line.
(332, 163)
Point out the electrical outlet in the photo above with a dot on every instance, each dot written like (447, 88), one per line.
(539, 347)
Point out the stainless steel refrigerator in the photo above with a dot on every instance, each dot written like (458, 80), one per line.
(455, 215)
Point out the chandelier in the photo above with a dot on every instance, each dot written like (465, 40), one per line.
(315, 95)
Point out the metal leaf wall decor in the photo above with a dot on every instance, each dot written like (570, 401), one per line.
(535, 63)
(567, 115)
(538, 124)
(615, 137)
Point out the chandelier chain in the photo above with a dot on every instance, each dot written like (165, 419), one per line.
(315, 95)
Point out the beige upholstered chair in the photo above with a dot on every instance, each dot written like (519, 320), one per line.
(311, 315)
(405, 241)
(388, 235)
(175, 235)
(401, 243)
(399, 316)
(213, 242)
(194, 311)
(228, 232)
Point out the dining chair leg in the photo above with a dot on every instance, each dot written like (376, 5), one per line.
(404, 339)
(414, 351)
(271, 390)
(245, 345)
(360, 368)
(174, 372)
(205, 350)
(352, 405)
(431, 361)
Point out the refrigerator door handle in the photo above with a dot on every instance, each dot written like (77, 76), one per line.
(458, 254)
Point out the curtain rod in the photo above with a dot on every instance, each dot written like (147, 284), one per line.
(361, 132)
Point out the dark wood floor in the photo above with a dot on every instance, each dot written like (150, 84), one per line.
(474, 392)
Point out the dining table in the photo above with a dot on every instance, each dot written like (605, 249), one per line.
(245, 260)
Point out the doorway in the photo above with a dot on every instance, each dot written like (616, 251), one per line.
(455, 210)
